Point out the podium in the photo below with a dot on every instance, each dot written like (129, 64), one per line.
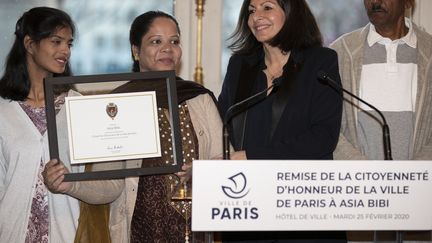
(295, 195)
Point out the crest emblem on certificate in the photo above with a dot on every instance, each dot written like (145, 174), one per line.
(111, 110)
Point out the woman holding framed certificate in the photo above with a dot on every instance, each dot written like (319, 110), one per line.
(148, 209)
(29, 212)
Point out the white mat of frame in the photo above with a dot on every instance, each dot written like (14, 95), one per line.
(311, 195)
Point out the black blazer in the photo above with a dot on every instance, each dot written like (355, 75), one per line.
(305, 121)
(306, 113)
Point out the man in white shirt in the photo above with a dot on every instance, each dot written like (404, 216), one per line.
(388, 64)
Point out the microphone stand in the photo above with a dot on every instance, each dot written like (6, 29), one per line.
(237, 108)
(385, 130)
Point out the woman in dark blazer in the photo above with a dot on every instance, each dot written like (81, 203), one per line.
(278, 41)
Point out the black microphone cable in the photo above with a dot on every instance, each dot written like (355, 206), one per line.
(385, 128)
(237, 108)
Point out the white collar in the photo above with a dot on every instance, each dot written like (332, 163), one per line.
(410, 38)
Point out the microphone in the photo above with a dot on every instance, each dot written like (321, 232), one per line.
(385, 128)
(237, 108)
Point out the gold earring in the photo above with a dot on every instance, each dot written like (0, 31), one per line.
(136, 57)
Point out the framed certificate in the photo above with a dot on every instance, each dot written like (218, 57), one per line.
(113, 125)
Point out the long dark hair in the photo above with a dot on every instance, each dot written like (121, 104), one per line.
(37, 23)
(140, 26)
(299, 31)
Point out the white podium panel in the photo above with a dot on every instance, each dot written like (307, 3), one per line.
(264, 195)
